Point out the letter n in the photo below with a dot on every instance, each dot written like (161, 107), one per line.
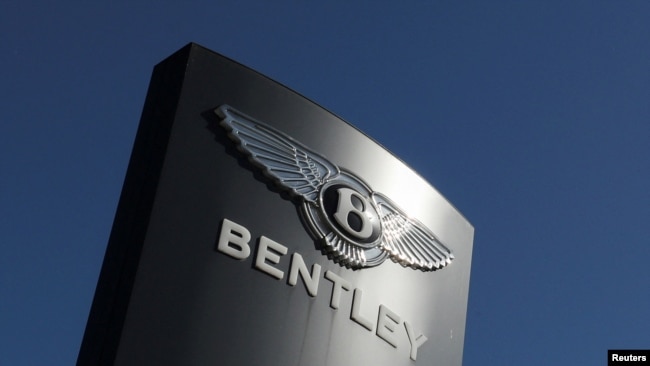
(310, 280)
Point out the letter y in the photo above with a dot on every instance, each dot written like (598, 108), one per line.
(416, 341)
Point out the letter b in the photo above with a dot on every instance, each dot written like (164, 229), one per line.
(346, 207)
(233, 240)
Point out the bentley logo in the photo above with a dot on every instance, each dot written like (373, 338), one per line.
(356, 226)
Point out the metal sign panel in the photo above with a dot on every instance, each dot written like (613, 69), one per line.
(255, 227)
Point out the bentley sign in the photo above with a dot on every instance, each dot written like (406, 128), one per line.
(253, 228)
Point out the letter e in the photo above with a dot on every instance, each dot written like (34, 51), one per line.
(386, 325)
(271, 251)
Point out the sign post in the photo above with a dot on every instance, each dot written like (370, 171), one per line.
(257, 228)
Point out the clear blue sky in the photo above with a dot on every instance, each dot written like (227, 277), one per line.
(531, 117)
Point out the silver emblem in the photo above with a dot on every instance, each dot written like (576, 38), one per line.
(356, 226)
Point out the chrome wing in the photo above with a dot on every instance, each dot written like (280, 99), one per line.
(408, 241)
(292, 166)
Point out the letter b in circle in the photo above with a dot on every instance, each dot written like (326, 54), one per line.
(354, 213)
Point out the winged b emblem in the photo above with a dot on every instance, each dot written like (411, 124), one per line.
(356, 226)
